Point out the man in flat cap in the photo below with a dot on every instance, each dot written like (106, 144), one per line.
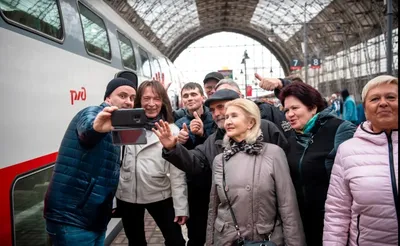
(79, 198)
(210, 81)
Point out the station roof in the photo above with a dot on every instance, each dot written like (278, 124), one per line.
(332, 25)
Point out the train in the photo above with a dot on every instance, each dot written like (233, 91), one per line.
(57, 57)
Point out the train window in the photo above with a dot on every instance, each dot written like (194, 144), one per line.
(94, 33)
(127, 52)
(28, 201)
(144, 58)
(41, 16)
(157, 66)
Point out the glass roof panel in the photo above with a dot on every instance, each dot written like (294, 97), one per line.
(286, 16)
(167, 19)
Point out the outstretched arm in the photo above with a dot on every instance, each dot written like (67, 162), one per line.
(93, 125)
(191, 162)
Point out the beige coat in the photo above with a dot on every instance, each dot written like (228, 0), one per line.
(145, 177)
(258, 187)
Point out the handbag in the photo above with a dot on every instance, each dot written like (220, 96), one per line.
(241, 241)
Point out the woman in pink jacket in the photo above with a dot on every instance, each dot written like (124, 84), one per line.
(362, 207)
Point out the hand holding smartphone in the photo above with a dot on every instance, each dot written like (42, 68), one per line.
(128, 126)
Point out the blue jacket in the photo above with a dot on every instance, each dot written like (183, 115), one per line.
(85, 176)
(350, 110)
(208, 125)
(360, 114)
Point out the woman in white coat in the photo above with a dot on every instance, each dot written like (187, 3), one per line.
(149, 182)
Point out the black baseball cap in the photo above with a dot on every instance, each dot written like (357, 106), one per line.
(213, 75)
(222, 95)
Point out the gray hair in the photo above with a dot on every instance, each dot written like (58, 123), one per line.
(251, 110)
(382, 79)
(230, 82)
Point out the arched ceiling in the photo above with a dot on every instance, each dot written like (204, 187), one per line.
(332, 25)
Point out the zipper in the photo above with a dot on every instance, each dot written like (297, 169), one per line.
(358, 228)
(136, 178)
(252, 189)
(303, 188)
(393, 175)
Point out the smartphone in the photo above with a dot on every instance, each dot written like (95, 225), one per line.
(128, 136)
(128, 118)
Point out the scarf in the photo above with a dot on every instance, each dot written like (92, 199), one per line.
(251, 149)
(310, 124)
(151, 122)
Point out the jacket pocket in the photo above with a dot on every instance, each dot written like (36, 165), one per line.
(358, 229)
(264, 230)
(219, 225)
(87, 193)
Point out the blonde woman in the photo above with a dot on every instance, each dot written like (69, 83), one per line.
(251, 186)
(362, 206)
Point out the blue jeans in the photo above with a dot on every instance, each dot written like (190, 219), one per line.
(66, 235)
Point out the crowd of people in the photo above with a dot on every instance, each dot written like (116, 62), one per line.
(236, 172)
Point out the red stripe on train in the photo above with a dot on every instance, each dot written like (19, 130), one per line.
(7, 177)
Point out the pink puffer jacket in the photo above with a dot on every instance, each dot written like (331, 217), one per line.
(360, 207)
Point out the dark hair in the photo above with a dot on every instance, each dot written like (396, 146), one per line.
(192, 86)
(166, 108)
(307, 94)
(294, 78)
(344, 93)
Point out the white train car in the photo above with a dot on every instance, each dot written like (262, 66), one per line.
(57, 57)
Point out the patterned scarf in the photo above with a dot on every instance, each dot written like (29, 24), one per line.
(251, 149)
(150, 123)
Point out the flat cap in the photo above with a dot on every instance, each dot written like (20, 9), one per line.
(222, 95)
(213, 75)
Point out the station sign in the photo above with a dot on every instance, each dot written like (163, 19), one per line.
(296, 64)
(315, 63)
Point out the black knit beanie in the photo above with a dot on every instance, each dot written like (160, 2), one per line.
(117, 82)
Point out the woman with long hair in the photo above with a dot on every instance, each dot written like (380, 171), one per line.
(149, 182)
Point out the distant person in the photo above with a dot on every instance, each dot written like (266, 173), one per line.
(360, 114)
(349, 107)
(210, 81)
(362, 207)
(335, 104)
(79, 198)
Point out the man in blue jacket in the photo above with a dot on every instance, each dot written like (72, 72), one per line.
(79, 199)
(195, 127)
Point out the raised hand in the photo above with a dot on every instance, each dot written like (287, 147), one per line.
(160, 77)
(102, 122)
(164, 133)
(183, 135)
(268, 84)
(196, 125)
